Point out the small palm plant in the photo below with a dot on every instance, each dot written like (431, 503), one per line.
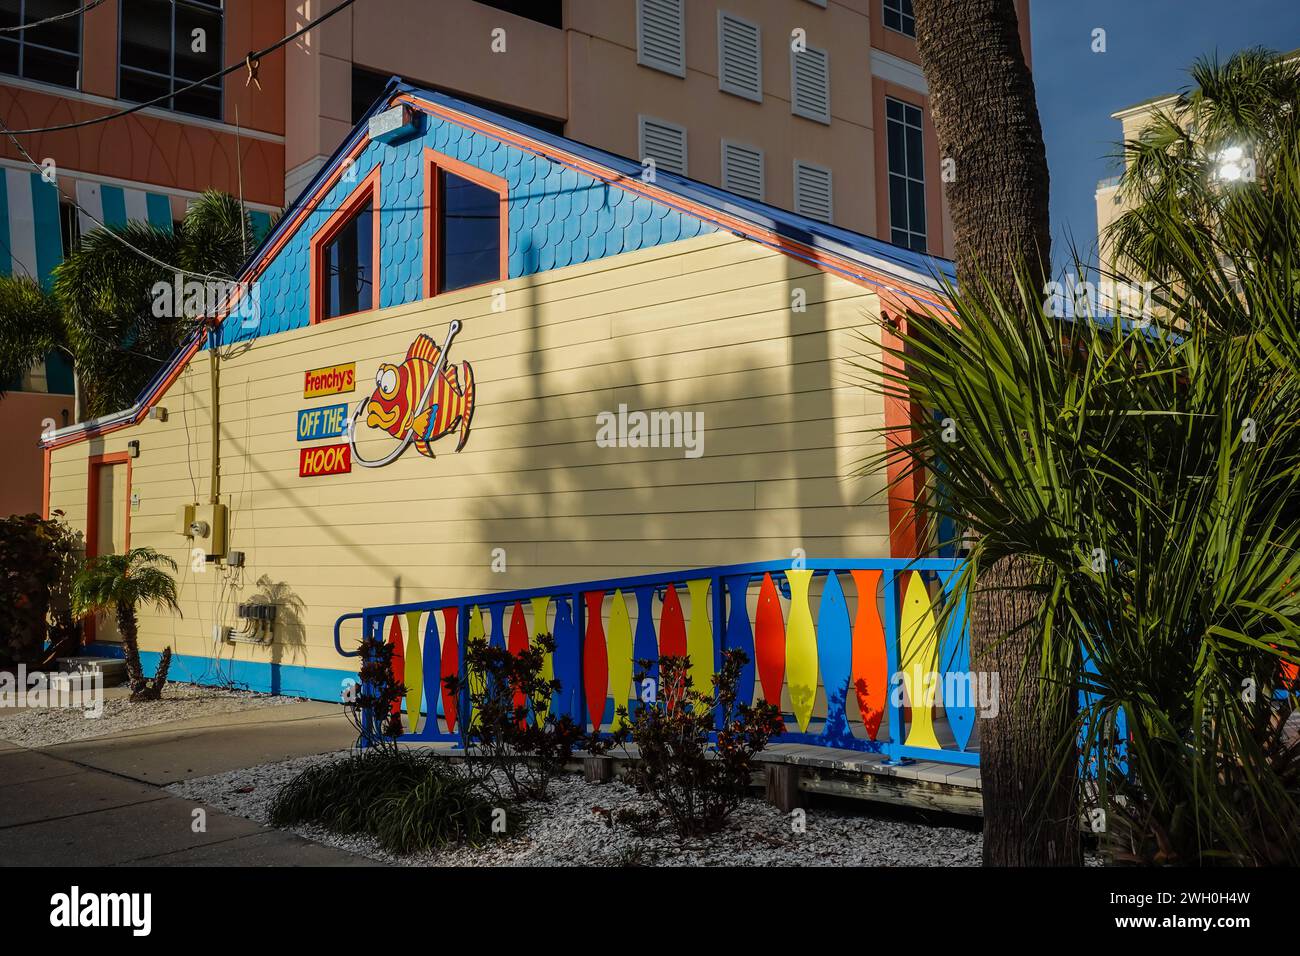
(120, 582)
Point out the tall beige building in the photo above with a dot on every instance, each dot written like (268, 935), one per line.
(819, 106)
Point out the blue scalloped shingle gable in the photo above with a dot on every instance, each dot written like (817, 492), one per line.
(557, 217)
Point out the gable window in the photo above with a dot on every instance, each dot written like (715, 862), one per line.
(906, 174)
(466, 222)
(50, 53)
(345, 255)
(899, 18)
(168, 45)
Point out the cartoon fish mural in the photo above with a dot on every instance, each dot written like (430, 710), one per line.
(403, 404)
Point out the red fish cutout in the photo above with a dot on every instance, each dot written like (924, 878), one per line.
(450, 665)
(769, 642)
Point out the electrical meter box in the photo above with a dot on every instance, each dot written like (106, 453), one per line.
(206, 525)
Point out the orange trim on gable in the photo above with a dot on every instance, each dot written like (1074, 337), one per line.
(367, 191)
(434, 161)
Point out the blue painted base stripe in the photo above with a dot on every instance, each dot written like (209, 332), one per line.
(291, 680)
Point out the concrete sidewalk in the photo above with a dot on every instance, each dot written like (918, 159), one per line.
(99, 802)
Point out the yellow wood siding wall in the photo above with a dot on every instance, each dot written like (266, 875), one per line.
(704, 325)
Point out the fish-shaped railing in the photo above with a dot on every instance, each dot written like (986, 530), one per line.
(864, 655)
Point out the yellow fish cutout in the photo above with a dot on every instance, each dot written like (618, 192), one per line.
(476, 680)
(541, 608)
(414, 671)
(699, 637)
(801, 649)
(618, 641)
(918, 649)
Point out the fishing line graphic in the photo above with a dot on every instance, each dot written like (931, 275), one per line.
(418, 402)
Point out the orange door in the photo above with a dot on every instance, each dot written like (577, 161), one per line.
(108, 527)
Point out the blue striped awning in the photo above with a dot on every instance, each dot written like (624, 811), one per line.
(116, 205)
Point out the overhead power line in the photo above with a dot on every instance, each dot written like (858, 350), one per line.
(54, 19)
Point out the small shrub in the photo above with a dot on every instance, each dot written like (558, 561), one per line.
(522, 742)
(38, 558)
(408, 800)
(695, 782)
(373, 704)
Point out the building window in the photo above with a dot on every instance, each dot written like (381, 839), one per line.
(50, 53)
(662, 142)
(898, 17)
(345, 255)
(810, 84)
(466, 225)
(812, 191)
(167, 46)
(906, 174)
(661, 35)
(742, 170)
(549, 12)
(740, 57)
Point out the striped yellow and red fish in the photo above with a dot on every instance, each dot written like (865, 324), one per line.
(399, 389)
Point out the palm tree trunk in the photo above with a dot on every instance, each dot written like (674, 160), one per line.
(128, 627)
(986, 116)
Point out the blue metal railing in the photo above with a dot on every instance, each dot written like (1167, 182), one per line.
(818, 629)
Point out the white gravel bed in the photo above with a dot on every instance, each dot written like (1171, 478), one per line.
(568, 830)
(46, 726)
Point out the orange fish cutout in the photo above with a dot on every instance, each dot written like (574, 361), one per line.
(399, 389)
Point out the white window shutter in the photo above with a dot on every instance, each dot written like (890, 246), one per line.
(740, 57)
(742, 170)
(812, 191)
(663, 142)
(661, 35)
(810, 84)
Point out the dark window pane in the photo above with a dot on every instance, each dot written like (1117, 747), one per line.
(143, 87)
(898, 202)
(918, 243)
(915, 154)
(898, 237)
(349, 267)
(159, 37)
(191, 64)
(9, 10)
(147, 35)
(916, 206)
(894, 110)
(549, 12)
(62, 34)
(897, 149)
(201, 101)
(469, 233)
(893, 20)
(48, 66)
(9, 56)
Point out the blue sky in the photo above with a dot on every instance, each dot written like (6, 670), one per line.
(1149, 46)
